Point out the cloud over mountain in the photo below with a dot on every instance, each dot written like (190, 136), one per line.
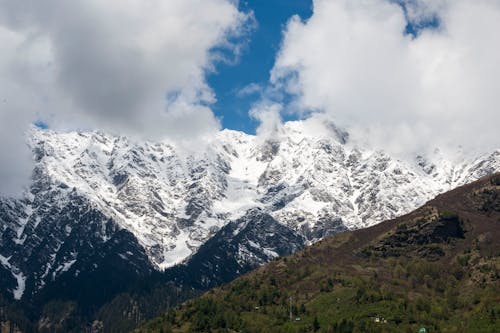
(356, 62)
(134, 67)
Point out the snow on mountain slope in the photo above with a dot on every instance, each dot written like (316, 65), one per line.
(163, 199)
(307, 177)
(311, 180)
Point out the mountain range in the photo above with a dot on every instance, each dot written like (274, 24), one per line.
(114, 212)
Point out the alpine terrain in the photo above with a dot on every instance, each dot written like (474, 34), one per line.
(435, 269)
(114, 212)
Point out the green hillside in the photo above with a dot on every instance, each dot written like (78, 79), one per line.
(436, 268)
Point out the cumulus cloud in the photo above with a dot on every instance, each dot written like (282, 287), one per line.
(268, 115)
(353, 61)
(134, 67)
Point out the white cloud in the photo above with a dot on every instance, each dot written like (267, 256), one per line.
(15, 158)
(352, 60)
(268, 114)
(250, 89)
(135, 67)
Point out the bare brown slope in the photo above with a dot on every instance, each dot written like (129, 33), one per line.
(475, 207)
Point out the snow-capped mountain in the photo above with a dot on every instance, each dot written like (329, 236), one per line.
(92, 192)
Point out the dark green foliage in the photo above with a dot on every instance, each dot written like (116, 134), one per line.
(316, 324)
(447, 215)
(495, 180)
(437, 300)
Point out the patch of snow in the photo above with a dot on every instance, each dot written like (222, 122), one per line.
(66, 266)
(270, 253)
(5, 261)
(21, 285)
(18, 275)
(20, 241)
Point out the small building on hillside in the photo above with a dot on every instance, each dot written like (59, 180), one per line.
(380, 320)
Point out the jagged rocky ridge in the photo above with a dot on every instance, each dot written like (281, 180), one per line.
(98, 199)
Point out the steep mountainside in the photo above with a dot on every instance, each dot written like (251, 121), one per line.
(239, 247)
(115, 211)
(437, 267)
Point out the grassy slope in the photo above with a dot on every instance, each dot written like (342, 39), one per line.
(436, 267)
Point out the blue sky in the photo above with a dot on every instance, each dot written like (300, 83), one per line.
(258, 56)
(255, 62)
(252, 67)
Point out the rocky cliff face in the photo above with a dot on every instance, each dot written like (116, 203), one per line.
(242, 245)
(146, 206)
